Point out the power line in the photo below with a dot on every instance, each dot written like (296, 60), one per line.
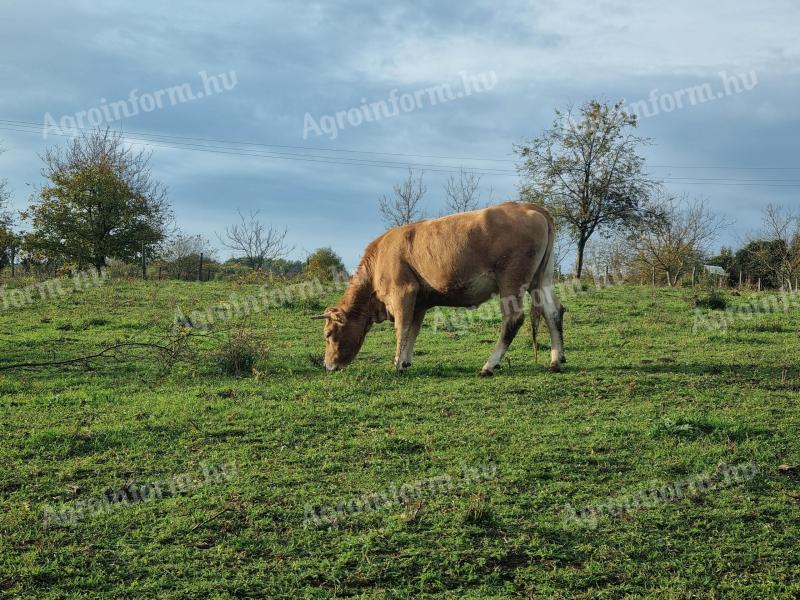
(298, 157)
(315, 148)
(26, 127)
(371, 152)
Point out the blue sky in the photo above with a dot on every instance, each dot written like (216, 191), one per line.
(294, 58)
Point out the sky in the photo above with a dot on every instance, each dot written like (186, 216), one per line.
(716, 86)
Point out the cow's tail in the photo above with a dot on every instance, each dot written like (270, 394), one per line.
(542, 280)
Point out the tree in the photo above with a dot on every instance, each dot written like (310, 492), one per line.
(254, 242)
(755, 258)
(324, 264)
(613, 253)
(5, 197)
(678, 240)
(403, 207)
(588, 172)
(181, 255)
(462, 192)
(7, 238)
(727, 260)
(779, 254)
(100, 202)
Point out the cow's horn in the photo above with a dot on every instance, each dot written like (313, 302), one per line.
(322, 316)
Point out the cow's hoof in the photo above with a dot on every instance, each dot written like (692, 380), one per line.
(555, 367)
(563, 358)
(486, 373)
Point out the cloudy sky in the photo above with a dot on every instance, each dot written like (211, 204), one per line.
(291, 66)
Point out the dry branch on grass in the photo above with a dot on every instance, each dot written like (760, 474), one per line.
(170, 349)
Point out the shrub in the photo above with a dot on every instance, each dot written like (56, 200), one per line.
(322, 264)
(713, 299)
(116, 269)
(240, 352)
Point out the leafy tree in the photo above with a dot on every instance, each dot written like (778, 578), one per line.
(727, 260)
(323, 264)
(779, 255)
(587, 170)
(754, 260)
(100, 202)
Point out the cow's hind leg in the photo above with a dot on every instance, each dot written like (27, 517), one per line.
(513, 316)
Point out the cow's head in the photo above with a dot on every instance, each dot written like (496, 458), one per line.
(344, 335)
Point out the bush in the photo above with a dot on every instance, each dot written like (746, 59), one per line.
(116, 269)
(241, 351)
(322, 265)
(231, 270)
(713, 299)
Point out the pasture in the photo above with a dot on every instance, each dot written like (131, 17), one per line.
(644, 401)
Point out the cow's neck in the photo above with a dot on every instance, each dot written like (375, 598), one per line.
(359, 301)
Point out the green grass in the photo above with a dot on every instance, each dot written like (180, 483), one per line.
(644, 400)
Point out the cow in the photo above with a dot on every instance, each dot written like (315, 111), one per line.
(460, 260)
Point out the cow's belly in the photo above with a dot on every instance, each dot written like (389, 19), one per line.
(476, 291)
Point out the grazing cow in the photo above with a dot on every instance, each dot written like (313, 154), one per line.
(457, 260)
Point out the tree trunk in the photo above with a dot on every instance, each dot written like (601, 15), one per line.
(579, 264)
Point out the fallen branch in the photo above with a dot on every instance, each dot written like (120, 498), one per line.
(170, 349)
(222, 512)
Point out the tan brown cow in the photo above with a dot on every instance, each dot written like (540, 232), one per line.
(458, 260)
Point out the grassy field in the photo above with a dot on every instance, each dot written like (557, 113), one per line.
(644, 401)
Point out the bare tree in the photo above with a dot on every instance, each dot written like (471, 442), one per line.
(462, 192)
(403, 206)
(255, 242)
(586, 169)
(614, 253)
(780, 256)
(181, 246)
(679, 239)
(6, 217)
(561, 249)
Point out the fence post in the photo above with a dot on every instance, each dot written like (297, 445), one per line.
(144, 263)
(200, 269)
(694, 270)
(759, 284)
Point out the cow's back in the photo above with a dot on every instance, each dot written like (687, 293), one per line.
(456, 254)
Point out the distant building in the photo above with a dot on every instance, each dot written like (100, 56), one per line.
(715, 270)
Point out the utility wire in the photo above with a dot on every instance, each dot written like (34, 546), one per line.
(143, 139)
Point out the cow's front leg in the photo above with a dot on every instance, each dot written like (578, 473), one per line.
(407, 322)
(513, 317)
